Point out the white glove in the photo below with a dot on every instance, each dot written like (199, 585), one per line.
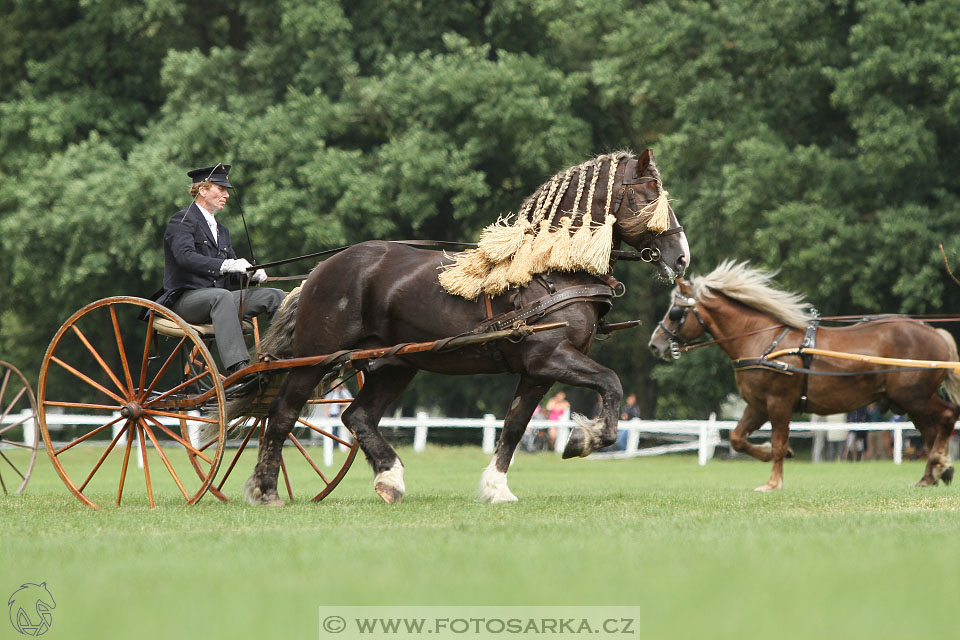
(235, 265)
(259, 276)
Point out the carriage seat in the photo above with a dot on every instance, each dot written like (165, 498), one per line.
(170, 328)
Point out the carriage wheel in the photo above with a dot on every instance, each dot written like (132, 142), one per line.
(131, 392)
(18, 416)
(309, 448)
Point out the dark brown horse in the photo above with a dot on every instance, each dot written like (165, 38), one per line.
(377, 294)
(738, 307)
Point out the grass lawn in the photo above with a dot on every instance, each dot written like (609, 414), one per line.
(844, 551)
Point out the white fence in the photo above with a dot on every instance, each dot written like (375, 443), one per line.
(702, 436)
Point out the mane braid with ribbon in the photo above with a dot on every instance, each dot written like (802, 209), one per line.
(544, 237)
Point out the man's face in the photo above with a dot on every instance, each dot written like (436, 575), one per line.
(213, 197)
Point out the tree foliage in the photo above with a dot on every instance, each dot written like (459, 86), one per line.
(817, 138)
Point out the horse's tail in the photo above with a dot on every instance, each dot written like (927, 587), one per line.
(276, 344)
(952, 384)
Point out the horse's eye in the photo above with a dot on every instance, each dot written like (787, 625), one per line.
(675, 313)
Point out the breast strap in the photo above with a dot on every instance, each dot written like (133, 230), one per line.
(541, 306)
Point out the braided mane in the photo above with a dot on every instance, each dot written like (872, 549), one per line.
(544, 236)
(753, 288)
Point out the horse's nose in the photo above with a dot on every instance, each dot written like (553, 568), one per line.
(681, 266)
(655, 350)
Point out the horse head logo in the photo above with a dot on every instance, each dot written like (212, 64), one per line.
(30, 609)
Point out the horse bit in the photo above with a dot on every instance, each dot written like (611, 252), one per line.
(682, 305)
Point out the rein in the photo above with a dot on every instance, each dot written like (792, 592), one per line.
(645, 254)
(844, 319)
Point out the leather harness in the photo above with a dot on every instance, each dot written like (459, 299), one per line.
(535, 310)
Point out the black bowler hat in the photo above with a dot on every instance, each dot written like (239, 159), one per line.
(216, 175)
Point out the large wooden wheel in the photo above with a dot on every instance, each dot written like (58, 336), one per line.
(18, 429)
(143, 387)
(306, 444)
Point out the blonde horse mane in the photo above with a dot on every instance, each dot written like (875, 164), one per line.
(543, 237)
(753, 288)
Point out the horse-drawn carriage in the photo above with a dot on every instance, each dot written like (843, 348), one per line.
(528, 300)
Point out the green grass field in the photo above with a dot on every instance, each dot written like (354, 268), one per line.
(844, 551)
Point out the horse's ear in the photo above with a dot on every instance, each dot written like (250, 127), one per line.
(645, 159)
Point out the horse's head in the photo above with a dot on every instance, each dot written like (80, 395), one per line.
(572, 223)
(680, 326)
(646, 221)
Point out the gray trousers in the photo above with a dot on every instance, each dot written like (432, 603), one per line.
(220, 306)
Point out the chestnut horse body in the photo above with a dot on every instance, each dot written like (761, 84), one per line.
(378, 294)
(738, 307)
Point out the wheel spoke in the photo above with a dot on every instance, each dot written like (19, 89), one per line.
(13, 425)
(13, 466)
(183, 442)
(179, 416)
(121, 350)
(103, 457)
(16, 444)
(163, 456)
(93, 383)
(98, 358)
(286, 478)
(323, 432)
(177, 388)
(80, 405)
(126, 460)
(306, 455)
(146, 350)
(12, 403)
(236, 457)
(88, 435)
(3, 485)
(166, 365)
(146, 466)
(3, 385)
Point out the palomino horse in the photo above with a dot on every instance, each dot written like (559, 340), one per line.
(737, 306)
(378, 294)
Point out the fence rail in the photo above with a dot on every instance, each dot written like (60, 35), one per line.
(702, 436)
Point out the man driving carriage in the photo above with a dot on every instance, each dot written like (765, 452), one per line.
(204, 281)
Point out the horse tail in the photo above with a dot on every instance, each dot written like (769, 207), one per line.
(952, 384)
(276, 344)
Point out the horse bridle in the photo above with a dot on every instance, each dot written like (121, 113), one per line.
(679, 310)
(647, 252)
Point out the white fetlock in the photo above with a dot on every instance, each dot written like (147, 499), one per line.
(389, 484)
(493, 486)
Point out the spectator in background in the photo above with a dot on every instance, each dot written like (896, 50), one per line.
(857, 440)
(632, 409)
(557, 409)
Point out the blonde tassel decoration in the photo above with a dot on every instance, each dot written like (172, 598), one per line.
(581, 240)
(560, 251)
(466, 275)
(596, 258)
(660, 208)
(500, 241)
(497, 281)
(542, 248)
(521, 267)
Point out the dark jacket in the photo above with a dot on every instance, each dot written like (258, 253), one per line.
(191, 256)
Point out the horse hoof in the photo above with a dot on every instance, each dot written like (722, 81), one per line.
(256, 497)
(947, 476)
(926, 482)
(766, 488)
(576, 445)
(389, 494)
